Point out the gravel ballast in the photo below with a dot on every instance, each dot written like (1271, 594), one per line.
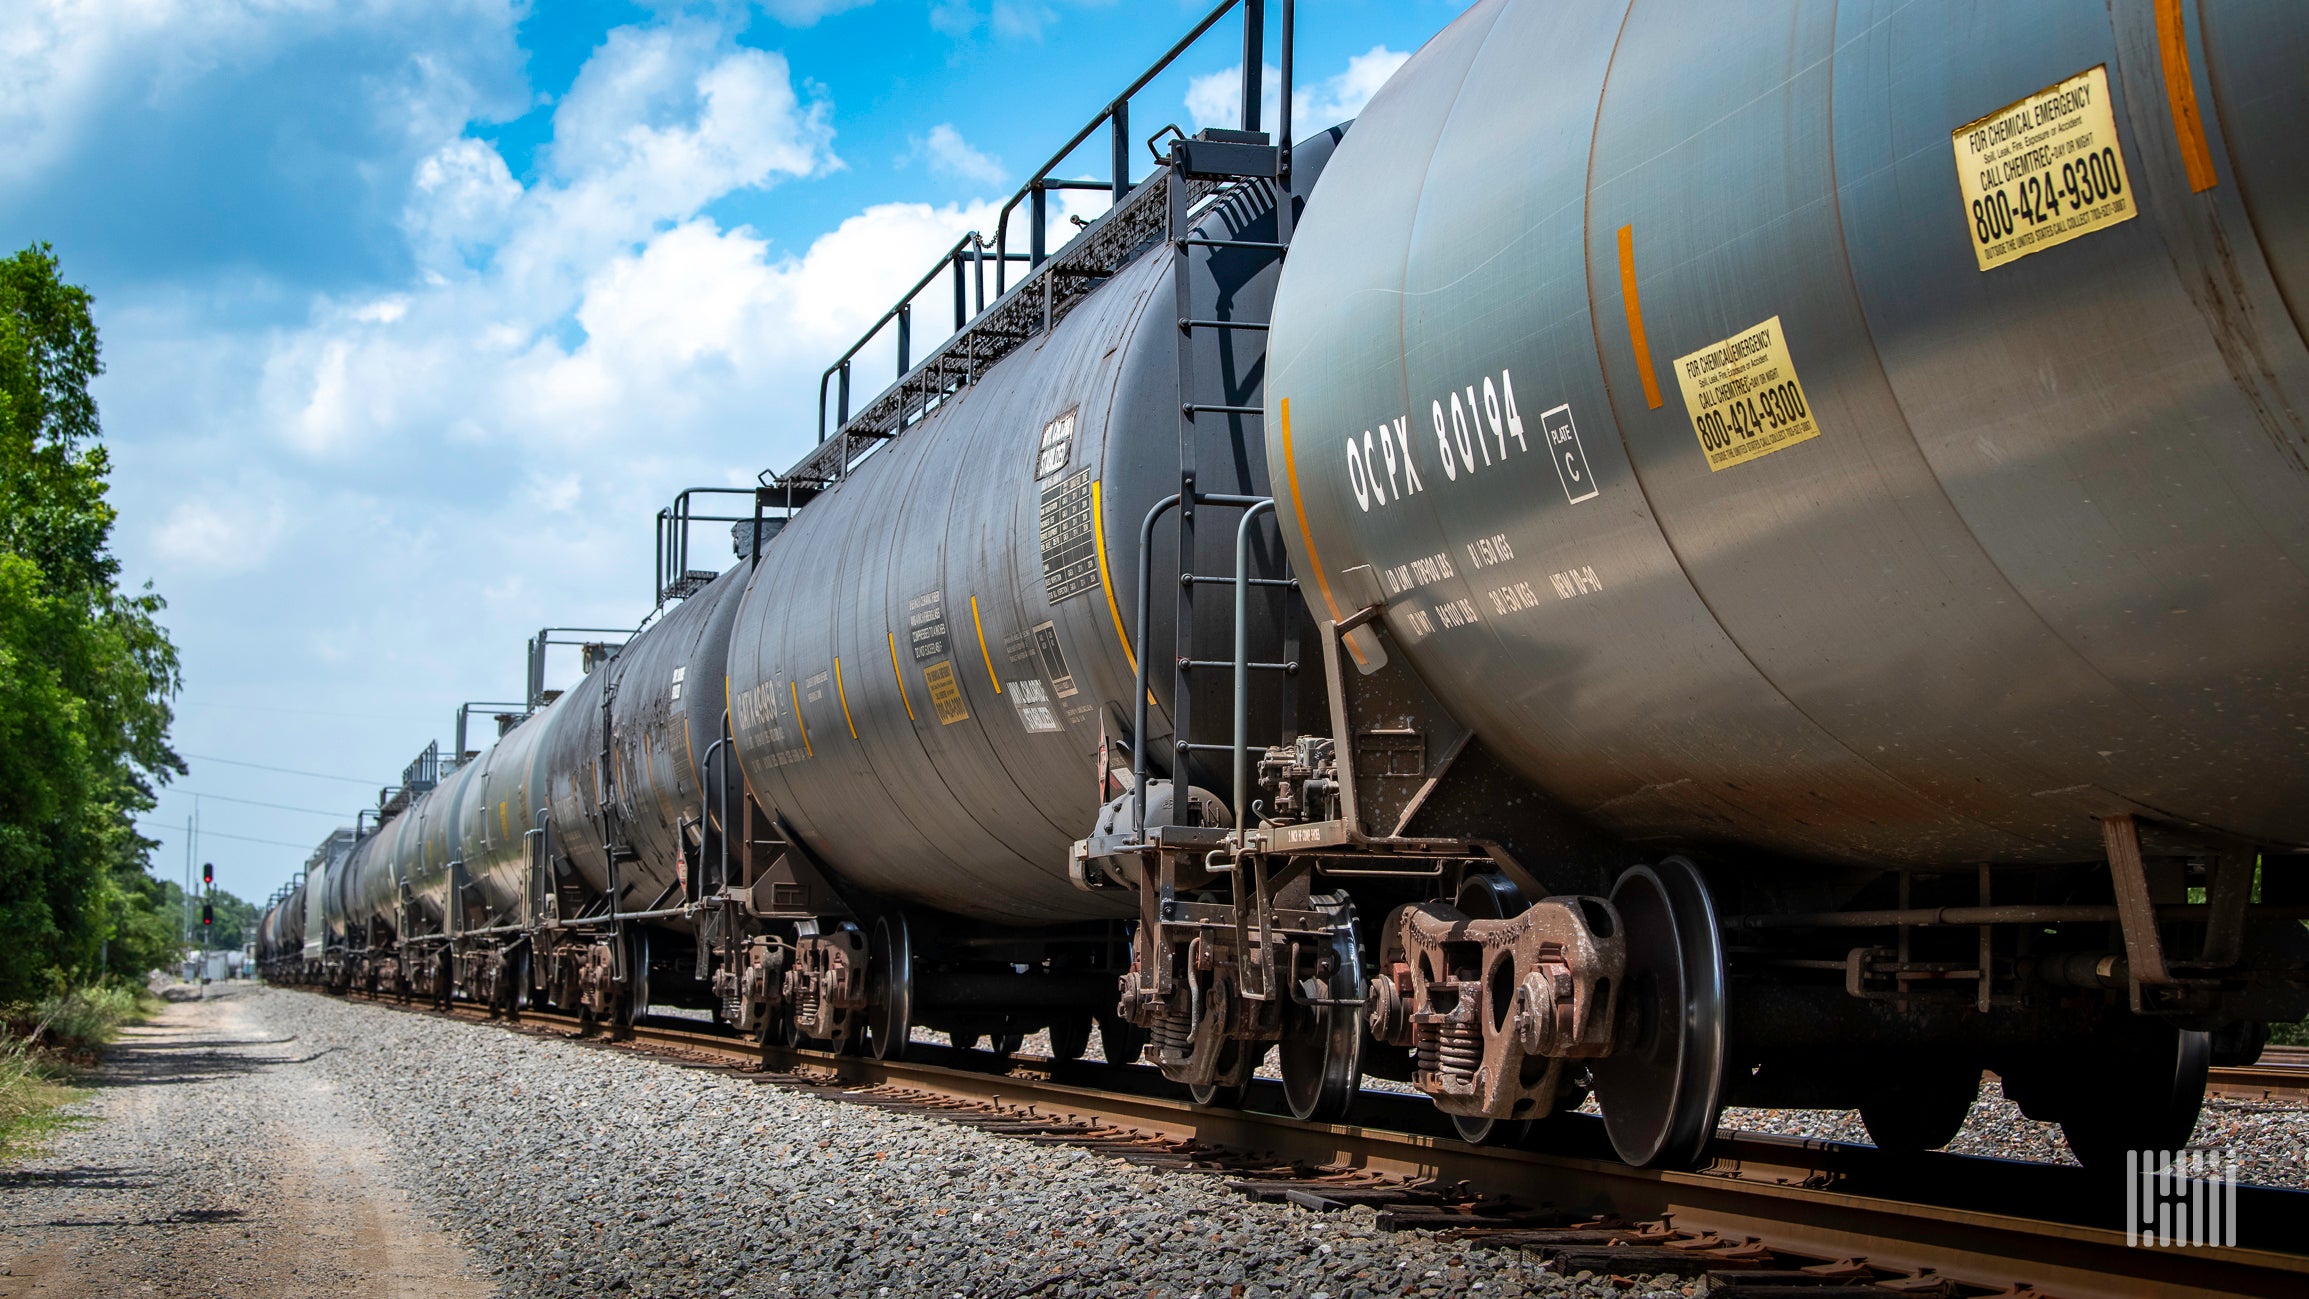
(295, 1144)
(565, 1169)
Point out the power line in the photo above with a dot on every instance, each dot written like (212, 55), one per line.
(286, 771)
(278, 807)
(219, 834)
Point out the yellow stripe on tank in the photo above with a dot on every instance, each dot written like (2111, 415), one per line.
(1307, 534)
(1106, 579)
(982, 645)
(899, 677)
(795, 694)
(843, 694)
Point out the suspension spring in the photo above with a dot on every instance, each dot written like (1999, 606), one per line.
(1461, 1048)
(1172, 1033)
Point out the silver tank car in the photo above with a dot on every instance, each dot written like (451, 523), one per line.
(505, 804)
(948, 626)
(665, 693)
(1865, 432)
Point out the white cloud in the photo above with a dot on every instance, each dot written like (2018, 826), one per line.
(63, 62)
(1025, 20)
(951, 156)
(1216, 99)
(802, 13)
(955, 18)
(217, 537)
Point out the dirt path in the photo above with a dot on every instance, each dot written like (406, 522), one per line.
(215, 1161)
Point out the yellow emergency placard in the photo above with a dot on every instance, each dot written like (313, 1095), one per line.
(1743, 396)
(2043, 171)
(945, 693)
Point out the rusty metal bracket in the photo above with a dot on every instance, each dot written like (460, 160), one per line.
(2136, 909)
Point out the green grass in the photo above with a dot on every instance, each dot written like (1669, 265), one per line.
(2290, 1034)
(41, 1043)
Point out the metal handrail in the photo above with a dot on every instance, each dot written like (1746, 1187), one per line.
(1138, 745)
(976, 250)
(1116, 116)
(673, 532)
(1243, 661)
(971, 247)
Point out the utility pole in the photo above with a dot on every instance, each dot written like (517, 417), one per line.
(184, 920)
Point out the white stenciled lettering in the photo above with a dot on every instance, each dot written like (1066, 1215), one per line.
(1459, 436)
(1490, 550)
(1572, 583)
(1358, 476)
(1513, 599)
(1411, 481)
(1477, 427)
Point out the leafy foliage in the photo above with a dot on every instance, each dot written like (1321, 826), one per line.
(86, 671)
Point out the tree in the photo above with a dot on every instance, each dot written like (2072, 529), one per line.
(86, 671)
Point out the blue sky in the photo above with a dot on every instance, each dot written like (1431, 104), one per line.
(416, 311)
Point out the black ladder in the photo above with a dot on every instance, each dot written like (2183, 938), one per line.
(1226, 159)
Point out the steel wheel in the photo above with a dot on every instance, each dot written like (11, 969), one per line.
(1659, 1090)
(1069, 1037)
(1321, 1053)
(1223, 1095)
(1119, 1040)
(2146, 1098)
(890, 965)
(963, 1041)
(1484, 1130)
(1920, 1107)
(775, 1032)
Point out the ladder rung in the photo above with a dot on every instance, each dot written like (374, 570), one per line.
(1191, 407)
(1223, 324)
(1185, 747)
(1230, 663)
(1197, 579)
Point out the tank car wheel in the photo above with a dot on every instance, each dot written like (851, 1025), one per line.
(1069, 1037)
(1321, 1052)
(963, 1041)
(1006, 1044)
(1920, 1107)
(515, 984)
(1659, 1090)
(1223, 1095)
(2145, 1099)
(775, 1032)
(890, 1011)
(1119, 1040)
(1484, 1130)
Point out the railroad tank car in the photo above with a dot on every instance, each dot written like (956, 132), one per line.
(504, 807)
(660, 698)
(2038, 557)
(946, 624)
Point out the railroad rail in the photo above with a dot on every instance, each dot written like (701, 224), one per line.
(1766, 1216)
(2282, 1073)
